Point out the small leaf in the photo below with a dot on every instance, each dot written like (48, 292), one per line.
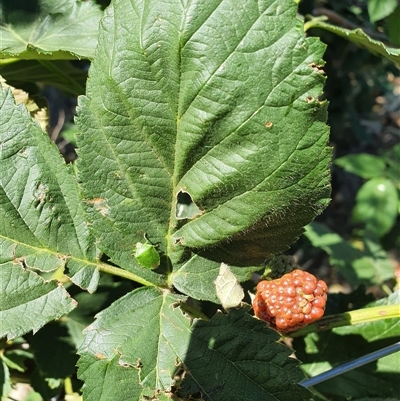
(228, 289)
(15, 359)
(28, 302)
(197, 275)
(363, 165)
(377, 205)
(383, 264)
(46, 29)
(6, 383)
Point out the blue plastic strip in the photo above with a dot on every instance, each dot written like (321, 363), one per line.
(351, 365)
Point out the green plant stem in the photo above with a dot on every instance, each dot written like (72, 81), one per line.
(314, 22)
(351, 318)
(123, 273)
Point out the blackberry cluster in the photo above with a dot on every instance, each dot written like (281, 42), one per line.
(290, 302)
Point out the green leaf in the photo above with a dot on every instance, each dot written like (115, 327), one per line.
(17, 359)
(241, 356)
(358, 37)
(28, 301)
(378, 9)
(143, 340)
(42, 220)
(392, 157)
(137, 342)
(382, 262)
(187, 102)
(377, 205)
(48, 29)
(363, 165)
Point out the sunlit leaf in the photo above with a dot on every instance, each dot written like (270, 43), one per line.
(234, 123)
(42, 220)
(28, 302)
(143, 341)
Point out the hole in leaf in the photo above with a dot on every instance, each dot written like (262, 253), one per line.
(185, 207)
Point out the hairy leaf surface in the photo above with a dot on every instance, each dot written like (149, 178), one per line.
(241, 356)
(136, 342)
(217, 101)
(143, 340)
(42, 224)
(28, 302)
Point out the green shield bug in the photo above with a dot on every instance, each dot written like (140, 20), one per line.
(147, 255)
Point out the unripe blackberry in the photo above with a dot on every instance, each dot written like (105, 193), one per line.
(290, 302)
